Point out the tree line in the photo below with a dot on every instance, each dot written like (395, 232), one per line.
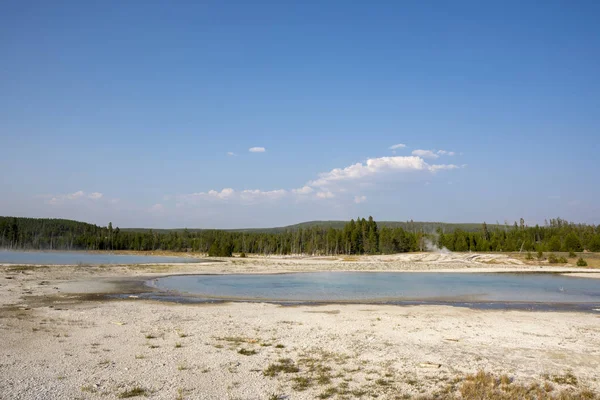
(360, 236)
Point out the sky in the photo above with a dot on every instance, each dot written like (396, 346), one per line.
(232, 114)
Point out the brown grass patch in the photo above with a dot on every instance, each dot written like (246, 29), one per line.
(485, 386)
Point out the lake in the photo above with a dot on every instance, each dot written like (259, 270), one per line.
(390, 287)
(77, 257)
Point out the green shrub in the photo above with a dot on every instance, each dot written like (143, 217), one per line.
(562, 260)
(581, 262)
(242, 255)
(540, 255)
(572, 254)
(529, 257)
(552, 259)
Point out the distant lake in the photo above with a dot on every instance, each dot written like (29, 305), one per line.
(389, 287)
(77, 257)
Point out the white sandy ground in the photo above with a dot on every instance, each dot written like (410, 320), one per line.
(59, 341)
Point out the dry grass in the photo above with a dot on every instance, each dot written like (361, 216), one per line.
(247, 352)
(485, 386)
(592, 259)
(134, 392)
(285, 365)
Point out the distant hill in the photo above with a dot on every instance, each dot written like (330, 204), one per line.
(63, 225)
(427, 227)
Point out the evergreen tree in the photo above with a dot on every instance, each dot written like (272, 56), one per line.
(572, 242)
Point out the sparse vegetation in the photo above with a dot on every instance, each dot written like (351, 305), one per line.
(581, 262)
(246, 352)
(382, 382)
(529, 256)
(177, 345)
(285, 365)
(89, 389)
(327, 393)
(566, 379)
(134, 392)
(301, 383)
(553, 259)
(485, 386)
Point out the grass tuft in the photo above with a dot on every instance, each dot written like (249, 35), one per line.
(134, 392)
(327, 393)
(285, 365)
(301, 383)
(566, 379)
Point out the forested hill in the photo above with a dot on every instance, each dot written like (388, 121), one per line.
(427, 227)
(355, 237)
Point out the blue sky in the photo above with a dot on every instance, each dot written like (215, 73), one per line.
(143, 113)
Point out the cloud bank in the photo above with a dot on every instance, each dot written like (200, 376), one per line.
(344, 182)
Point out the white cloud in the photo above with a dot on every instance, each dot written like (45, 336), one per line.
(229, 194)
(360, 199)
(325, 195)
(435, 168)
(257, 149)
(95, 195)
(397, 146)
(259, 194)
(341, 181)
(446, 153)
(374, 166)
(230, 153)
(76, 195)
(425, 154)
(303, 190)
(223, 194)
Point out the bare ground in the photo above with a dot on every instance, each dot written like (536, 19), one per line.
(63, 339)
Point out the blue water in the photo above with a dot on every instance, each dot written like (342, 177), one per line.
(76, 257)
(388, 287)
